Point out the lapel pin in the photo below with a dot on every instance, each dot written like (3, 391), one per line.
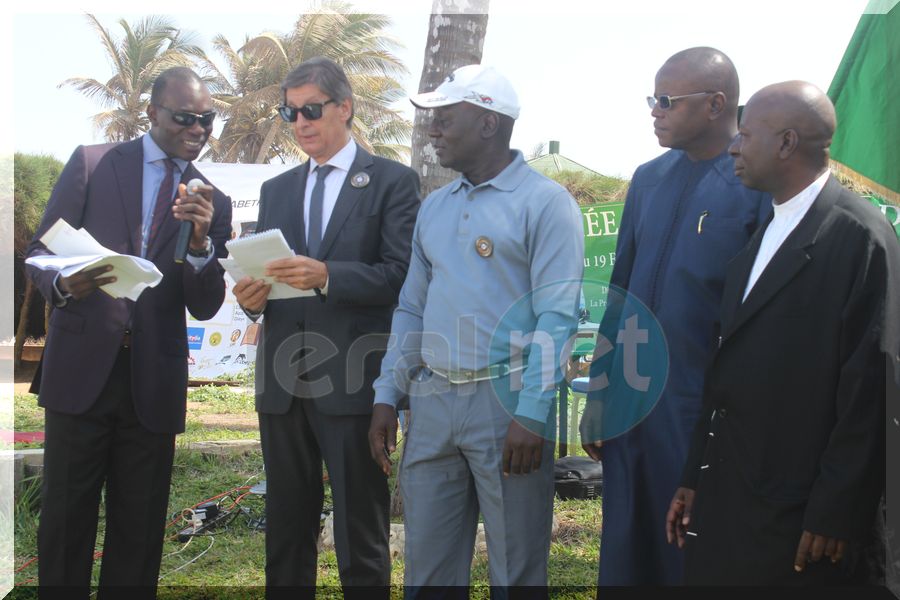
(360, 180)
(484, 246)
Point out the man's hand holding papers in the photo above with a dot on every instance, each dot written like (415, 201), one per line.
(249, 264)
(80, 260)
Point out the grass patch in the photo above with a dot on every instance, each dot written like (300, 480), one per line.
(220, 399)
(196, 431)
(205, 401)
(231, 562)
(28, 415)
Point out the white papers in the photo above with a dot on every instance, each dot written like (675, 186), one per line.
(248, 258)
(76, 250)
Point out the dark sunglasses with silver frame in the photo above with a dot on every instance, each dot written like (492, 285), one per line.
(665, 101)
(187, 119)
(310, 112)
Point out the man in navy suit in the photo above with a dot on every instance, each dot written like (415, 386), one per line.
(113, 376)
(685, 216)
(349, 217)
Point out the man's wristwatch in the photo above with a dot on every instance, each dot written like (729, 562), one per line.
(207, 250)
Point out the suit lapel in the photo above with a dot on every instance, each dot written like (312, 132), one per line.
(789, 259)
(738, 274)
(347, 198)
(129, 170)
(294, 211)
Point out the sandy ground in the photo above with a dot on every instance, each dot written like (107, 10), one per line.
(23, 376)
(239, 422)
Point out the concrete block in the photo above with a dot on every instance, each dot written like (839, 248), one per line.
(16, 463)
(33, 460)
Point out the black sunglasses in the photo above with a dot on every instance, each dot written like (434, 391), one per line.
(187, 119)
(310, 112)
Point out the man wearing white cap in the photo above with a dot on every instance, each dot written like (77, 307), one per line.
(486, 310)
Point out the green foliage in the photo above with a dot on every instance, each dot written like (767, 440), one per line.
(146, 49)
(28, 415)
(234, 565)
(221, 399)
(245, 377)
(33, 179)
(25, 524)
(591, 189)
(196, 431)
(247, 91)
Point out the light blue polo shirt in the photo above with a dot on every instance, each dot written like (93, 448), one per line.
(526, 280)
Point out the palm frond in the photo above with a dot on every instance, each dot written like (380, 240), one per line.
(248, 87)
(146, 48)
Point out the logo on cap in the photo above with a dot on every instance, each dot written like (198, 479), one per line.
(479, 98)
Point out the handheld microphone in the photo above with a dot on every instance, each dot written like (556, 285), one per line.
(184, 233)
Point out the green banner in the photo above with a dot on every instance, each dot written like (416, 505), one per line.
(601, 231)
(865, 90)
(891, 212)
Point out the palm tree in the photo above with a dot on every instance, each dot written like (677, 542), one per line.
(152, 45)
(248, 94)
(456, 33)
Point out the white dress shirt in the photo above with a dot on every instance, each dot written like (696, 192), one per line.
(342, 161)
(786, 217)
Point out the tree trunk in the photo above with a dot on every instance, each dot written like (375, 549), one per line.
(23, 323)
(456, 33)
(262, 157)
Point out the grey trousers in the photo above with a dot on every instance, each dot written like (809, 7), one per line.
(451, 471)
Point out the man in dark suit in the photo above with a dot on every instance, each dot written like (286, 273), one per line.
(113, 377)
(349, 218)
(786, 466)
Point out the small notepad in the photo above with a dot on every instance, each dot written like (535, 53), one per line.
(259, 248)
(248, 257)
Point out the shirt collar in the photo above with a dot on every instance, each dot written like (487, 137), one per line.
(804, 199)
(506, 180)
(342, 160)
(153, 153)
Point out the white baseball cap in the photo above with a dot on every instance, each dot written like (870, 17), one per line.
(475, 84)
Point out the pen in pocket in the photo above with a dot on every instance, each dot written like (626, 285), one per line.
(703, 215)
